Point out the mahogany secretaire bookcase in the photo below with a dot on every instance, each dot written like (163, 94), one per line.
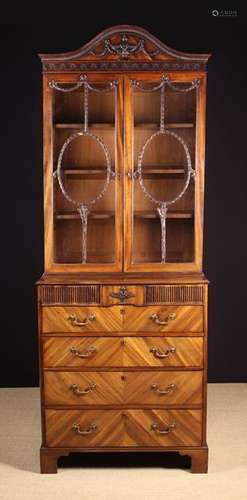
(123, 300)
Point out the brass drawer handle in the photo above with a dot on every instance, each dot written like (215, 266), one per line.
(158, 321)
(158, 354)
(86, 354)
(79, 392)
(77, 322)
(155, 427)
(167, 390)
(83, 432)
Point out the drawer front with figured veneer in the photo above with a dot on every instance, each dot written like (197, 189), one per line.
(81, 319)
(128, 428)
(164, 319)
(127, 351)
(143, 387)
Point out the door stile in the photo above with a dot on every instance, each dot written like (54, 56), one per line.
(128, 174)
(47, 173)
(199, 169)
(119, 156)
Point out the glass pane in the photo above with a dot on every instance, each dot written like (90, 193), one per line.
(164, 159)
(84, 164)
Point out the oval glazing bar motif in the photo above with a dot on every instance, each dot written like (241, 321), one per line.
(81, 206)
(162, 205)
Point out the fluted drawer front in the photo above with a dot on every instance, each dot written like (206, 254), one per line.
(112, 428)
(81, 319)
(127, 351)
(94, 388)
(163, 319)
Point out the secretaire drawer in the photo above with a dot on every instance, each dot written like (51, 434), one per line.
(163, 318)
(81, 319)
(116, 387)
(126, 351)
(117, 428)
(122, 294)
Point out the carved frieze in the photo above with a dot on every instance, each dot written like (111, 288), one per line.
(123, 66)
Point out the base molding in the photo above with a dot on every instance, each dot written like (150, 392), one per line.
(50, 456)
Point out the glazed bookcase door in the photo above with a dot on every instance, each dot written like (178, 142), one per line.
(85, 161)
(164, 181)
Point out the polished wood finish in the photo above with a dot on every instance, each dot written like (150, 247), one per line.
(56, 319)
(199, 459)
(128, 319)
(126, 351)
(187, 319)
(185, 294)
(123, 337)
(122, 388)
(82, 294)
(124, 428)
(48, 460)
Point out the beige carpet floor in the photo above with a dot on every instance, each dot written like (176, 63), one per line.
(19, 458)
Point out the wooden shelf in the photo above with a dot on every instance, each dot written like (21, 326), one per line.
(167, 125)
(80, 126)
(93, 173)
(160, 171)
(83, 170)
(112, 125)
(171, 256)
(99, 214)
(175, 214)
(147, 172)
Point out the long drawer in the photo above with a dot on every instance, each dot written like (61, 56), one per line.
(113, 428)
(127, 318)
(126, 351)
(96, 388)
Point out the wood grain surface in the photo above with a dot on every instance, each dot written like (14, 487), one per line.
(123, 318)
(56, 319)
(123, 428)
(122, 388)
(126, 351)
(113, 371)
(188, 319)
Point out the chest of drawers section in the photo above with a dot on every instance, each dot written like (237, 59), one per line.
(124, 373)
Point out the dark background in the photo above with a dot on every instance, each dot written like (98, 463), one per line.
(21, 222)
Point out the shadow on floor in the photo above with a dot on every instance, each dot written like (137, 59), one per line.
(28, 460)
(167, 460)
(21, 456)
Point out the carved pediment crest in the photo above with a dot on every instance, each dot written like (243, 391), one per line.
(124, 48)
